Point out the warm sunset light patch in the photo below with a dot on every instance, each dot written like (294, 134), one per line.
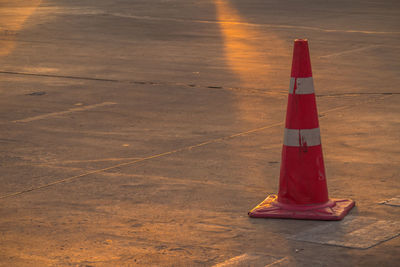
(13, 16)
(247, 50)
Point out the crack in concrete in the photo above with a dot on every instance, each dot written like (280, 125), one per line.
(186, 148)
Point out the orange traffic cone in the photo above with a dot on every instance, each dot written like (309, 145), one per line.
(303, 193)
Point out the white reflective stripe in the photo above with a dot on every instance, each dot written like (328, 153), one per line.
(304, 86)
(305, 137)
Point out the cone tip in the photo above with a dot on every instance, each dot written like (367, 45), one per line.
(301, 65)
(301, 40)
(303, 43)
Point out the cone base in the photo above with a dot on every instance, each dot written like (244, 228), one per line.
(332, 210)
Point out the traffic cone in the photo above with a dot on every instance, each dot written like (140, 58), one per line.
(303, 193)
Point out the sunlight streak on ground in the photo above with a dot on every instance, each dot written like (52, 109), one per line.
(13, 17)
(252, 55)
(247, 50)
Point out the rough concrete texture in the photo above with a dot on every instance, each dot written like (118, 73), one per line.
(138, 132)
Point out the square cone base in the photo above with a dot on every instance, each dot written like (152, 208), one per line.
(332, 210)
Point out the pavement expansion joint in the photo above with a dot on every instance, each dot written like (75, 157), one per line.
(58, 76)
(191, 85)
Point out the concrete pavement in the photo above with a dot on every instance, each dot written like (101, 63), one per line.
(141, 132)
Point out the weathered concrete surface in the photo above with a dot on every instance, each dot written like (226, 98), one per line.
(161, 126)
